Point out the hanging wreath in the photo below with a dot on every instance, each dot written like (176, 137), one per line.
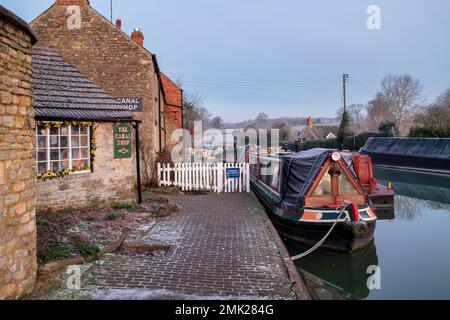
(49, 175)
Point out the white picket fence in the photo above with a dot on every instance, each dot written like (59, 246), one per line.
(206, 177)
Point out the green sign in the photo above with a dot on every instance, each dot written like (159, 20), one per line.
(123, 141)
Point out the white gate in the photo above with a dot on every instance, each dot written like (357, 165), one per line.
(219, 177)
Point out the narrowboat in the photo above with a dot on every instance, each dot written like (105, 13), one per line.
(308, 193)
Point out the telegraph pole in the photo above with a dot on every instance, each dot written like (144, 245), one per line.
(345, 77)
(111, 10)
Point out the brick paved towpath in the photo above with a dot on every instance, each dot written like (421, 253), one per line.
(221, 247)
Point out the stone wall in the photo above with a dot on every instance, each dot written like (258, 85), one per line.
(113, 180)
(105, 55)
(17, 164)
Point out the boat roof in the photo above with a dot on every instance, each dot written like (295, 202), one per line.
(300, 171)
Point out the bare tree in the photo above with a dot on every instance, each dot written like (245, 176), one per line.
(216, 123)
(284, 130)
(193, 109)
(437, 115)
(378, 112)
(402, 94)
(261, 120)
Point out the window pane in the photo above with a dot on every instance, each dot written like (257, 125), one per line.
(65, 131)
(75, 153)
(84, 153)
(84, 130)
(54, 166)
(345, 186)
(75, 141)
(84, 141)
(41, 131)
(42, 167)
(54, 155)
(54, 131)
(54, 141)
(42, 155)
(75, 130)
(42, 142)
(63, 142)
(79, 164)
(324, 187)
(64, 154)
(65, 165)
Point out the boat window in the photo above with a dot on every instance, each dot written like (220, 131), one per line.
(324, 187)
(345, 186)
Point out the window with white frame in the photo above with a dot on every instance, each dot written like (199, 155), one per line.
(63, 148)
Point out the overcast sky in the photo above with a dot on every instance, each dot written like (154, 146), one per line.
(284, 57)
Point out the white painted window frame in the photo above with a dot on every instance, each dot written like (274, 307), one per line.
(70, 160)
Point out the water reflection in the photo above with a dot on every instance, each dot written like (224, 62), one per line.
(332, 276)
(415, 192)
(417, 185)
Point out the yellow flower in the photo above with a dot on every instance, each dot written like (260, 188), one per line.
(94, 141)
(87, 168)
(49, 174)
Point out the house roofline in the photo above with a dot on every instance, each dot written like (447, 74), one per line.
(18, 22)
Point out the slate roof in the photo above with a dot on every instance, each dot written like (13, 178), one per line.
(61, 92)
(320, 131)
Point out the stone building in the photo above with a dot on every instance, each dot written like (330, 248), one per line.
(17, 165)
(84, 139)
(317, 131)
(109, 57)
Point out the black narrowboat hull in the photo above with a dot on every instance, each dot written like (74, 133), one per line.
(347, 237)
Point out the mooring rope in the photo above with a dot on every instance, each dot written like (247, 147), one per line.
(317, 246)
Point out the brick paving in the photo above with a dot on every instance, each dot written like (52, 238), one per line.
(221, 247)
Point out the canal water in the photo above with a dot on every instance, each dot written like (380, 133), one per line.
(411, 248)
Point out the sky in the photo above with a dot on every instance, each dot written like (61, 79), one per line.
(284, 57)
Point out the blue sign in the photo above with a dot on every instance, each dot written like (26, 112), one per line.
(233, 173)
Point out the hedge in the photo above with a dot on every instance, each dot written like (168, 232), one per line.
(353, 143)
(429, 133)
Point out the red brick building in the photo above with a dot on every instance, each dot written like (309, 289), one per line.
(173, 106)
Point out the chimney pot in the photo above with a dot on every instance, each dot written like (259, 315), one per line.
(66, 3)
(119, 24)
(138, 36)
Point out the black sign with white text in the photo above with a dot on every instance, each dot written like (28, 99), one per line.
(131, 103)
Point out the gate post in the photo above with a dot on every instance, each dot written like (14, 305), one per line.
(247, 176)
(219, 177)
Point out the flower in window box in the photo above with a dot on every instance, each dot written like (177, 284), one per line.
(94, 141)
(93, 162)
(48, 174)
(87, 168)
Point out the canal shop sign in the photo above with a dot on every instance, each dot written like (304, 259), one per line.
(131, 103)
(123, 138)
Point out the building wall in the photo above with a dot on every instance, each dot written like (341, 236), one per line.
(113, 180)
(105, 55)
(17, 165)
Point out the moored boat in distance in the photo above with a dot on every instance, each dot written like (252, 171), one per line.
(307, 194)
